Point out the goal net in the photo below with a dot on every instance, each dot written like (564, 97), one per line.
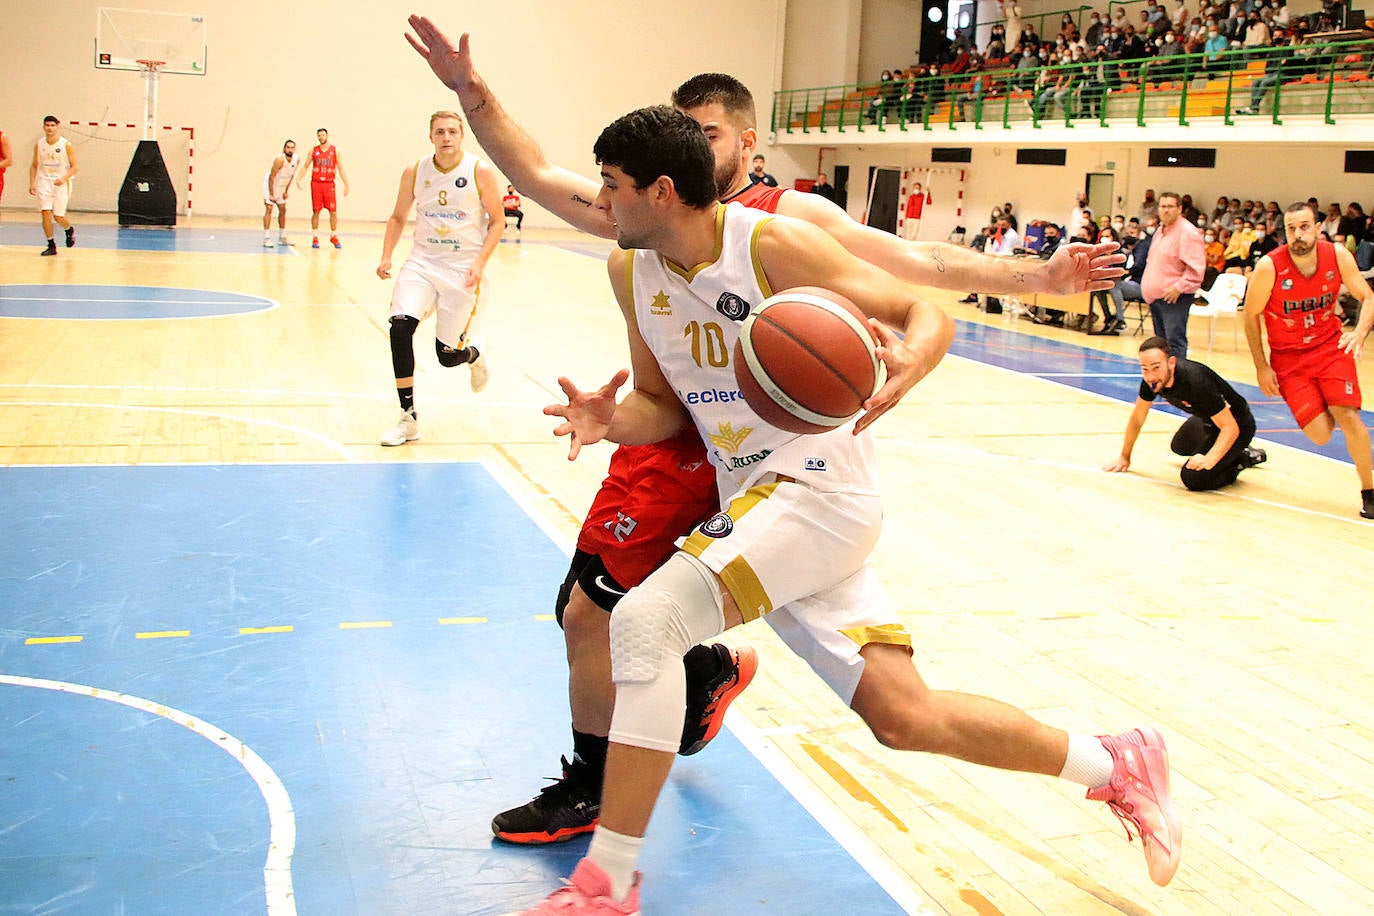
(104, 151)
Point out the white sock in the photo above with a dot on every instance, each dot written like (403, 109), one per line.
(1089, 762)
(617, 854)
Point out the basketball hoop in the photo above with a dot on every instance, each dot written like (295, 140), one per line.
(150, 69)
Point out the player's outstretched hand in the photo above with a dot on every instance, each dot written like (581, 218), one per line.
(587, 415)
(1080, 268)
(1121, 465)
(452, 65)
(904, 370)
(1352, 342)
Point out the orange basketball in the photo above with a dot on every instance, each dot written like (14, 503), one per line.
(805, 360)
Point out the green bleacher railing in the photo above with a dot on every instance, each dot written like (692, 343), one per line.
(1329, 80)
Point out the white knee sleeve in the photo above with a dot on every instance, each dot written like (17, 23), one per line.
(678, 606)
(652, 627)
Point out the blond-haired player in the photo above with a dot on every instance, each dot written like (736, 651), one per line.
(458, 224)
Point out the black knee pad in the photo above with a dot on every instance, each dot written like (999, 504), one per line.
(402, 346)
(579, 562)
(449, 357)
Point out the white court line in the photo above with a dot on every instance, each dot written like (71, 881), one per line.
(389, 397)
(140, 299)
(324, 440)
(281, 843)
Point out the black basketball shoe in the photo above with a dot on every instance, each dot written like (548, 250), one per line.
(707, 699)
(71, 236)
(1253, 456)
(568, 808)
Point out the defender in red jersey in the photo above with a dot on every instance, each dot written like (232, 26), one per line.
(325, 164)
(715, 676)
(1293, 292)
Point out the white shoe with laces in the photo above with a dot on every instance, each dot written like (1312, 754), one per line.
(480, 375)
(407, 429)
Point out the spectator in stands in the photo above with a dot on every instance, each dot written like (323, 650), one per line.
(1273, 218)
(1113, 320)
(1281, 68)
(931, 88)
(1058, 92)
(1068, 29)
(1174, 272)
(1092, 83)
(1264, 243)
(1138, 258)
(1097, 30)
(1078, 217)
(1232, 211)
(1028, 36)
(1364, 247)
(1331, 226)
(824, 188)
(1180, 17)
(1256, 32)
(974, 93)
(1215, 45)
(1115, 42)
(758, 174)
(1237, 253)
(911, 97)
(1190, 212)
(878, 103)
(1010, 216)
(997, 43)
(1215, 249)
(1149, 206)
(1353, 226)
(1282, 19)
(1154, 13)
(1025, 69)
(1219, 211)
(962, 59)
(1168, 46)
(1012, 14)
(1119, 18)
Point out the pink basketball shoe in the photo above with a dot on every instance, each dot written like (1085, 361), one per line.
(1138, 794)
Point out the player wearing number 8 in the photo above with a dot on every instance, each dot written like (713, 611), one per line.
(458, 224)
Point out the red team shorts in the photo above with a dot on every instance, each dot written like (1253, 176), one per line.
(1312, 380)
(652, 495)
(322, 196)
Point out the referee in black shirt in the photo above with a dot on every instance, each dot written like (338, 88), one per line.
(1216, 436)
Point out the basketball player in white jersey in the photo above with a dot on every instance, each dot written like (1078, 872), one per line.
(799, 514)
(458, 224)
(50, 180)
(276, 187)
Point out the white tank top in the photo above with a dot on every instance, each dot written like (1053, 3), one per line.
(53, 161)
(691, 321)
(284, 176)
(449, 216)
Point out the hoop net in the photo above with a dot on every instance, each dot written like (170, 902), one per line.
(151, 66)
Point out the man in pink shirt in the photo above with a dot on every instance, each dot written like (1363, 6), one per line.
(1173, 274)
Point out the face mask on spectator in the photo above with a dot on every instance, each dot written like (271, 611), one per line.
(1210, 238)
(1259, 233)
(1118, 224)
(1150, 230)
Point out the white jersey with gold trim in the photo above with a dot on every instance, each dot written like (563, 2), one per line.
(690, 320)
(276, 190)
(449, 216)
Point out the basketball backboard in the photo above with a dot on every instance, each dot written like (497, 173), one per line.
(125, 37)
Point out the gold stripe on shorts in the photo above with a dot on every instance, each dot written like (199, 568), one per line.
(739, 577)
(892, 634)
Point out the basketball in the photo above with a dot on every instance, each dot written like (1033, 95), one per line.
(805, 360)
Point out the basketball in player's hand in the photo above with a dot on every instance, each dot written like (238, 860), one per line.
(805, 360)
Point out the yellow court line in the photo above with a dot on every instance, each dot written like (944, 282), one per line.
(254, 631)
(51, 640)
(456, 620)
(365, 625)
(162, 634)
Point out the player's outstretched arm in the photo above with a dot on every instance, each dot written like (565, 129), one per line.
(795, 253)
(1073, 269)
(1133, 427)
(564, 193)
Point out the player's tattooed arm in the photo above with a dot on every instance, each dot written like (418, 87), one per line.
(579, 199)
(1018, 277)
(939, 261)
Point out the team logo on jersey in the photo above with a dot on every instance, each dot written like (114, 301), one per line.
(660, 304)
(815, 464)
(460, 182)
(729, 438)
(732, 307)
(426, 182)
(1287, 284)
(1330, 275)
(718, 525)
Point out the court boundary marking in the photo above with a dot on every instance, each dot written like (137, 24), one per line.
(281, 817)
(272, 304)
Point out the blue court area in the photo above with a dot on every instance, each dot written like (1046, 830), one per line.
(97, 301)
(1119, 377)
(370, 633)
(175, 238)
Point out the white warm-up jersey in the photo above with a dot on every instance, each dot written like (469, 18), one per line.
(449, 216)
(690, 320)
(53, 161)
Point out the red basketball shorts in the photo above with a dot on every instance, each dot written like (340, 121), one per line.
(322, 196)
(652, 495)
(1312, 380)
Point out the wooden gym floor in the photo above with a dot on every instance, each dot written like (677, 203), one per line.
(1238, 622)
